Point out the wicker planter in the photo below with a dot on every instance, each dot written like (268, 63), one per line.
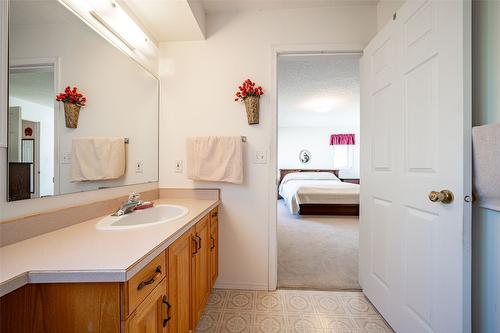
(71, 113)
(252, 107)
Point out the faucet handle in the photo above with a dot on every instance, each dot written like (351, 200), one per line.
(134, 196)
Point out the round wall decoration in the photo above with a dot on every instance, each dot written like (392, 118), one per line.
(305, 156)
(28, 131)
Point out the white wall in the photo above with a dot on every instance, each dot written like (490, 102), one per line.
(291, 140)
(198, 81)
(486, 223)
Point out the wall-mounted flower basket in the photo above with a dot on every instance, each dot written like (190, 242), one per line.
(250, 95)
(71, 114)
(252, 107)
(73, 102)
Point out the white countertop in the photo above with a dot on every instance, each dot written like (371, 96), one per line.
(81, 253)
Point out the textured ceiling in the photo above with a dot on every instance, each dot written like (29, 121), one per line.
(33, 86)
(318, 91)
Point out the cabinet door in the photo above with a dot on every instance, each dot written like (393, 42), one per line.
(180, 255)
(61, 307)
(151, 316)
(202, 283)
(214, 247)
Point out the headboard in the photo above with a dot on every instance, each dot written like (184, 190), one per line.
(284, 172)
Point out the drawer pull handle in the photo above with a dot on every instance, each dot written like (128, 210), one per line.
(213, 242)
(166, 318)
(195, 245)
(151, 280)
(199, 243)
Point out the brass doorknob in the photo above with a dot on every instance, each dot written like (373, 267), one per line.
(444, 196)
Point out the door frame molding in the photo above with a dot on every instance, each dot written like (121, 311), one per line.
(277, 50)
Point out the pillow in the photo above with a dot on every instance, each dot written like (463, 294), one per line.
(309, 176)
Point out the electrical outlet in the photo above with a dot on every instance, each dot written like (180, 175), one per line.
(139, 166)
(178, 166)
(260, 157)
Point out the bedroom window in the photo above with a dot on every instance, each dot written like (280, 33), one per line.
(342, 157)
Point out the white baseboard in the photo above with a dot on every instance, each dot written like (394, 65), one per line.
(242, 286)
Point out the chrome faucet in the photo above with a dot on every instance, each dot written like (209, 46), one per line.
(129, 206)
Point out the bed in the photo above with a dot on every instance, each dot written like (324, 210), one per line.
(318, 192)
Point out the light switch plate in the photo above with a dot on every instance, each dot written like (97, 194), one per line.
(178, 166)
(139, 166)
(260, 157)
(66, 158)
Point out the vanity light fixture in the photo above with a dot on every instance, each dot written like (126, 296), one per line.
(99, 19)
(116, 20)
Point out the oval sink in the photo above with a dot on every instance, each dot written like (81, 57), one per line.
(143, 218)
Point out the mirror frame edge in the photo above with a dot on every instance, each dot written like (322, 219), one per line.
(4, 72)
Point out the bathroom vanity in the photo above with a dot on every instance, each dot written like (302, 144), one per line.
(164, 289)
(60, 270)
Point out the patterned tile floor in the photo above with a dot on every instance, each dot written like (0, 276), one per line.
(290, 311)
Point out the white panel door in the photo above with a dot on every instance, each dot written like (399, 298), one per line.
(15, 134)
(415, 121)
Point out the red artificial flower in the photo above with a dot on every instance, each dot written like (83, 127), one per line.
(247, 89)
(71, 96)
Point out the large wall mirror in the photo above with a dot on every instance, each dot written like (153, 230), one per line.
(115, 141)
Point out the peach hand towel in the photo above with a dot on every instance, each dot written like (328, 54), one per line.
(486, 165)
(215, 159)
(96, 158)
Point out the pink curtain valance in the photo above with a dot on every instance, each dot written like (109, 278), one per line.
(342, 139)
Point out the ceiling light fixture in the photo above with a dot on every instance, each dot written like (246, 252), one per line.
(321, 104)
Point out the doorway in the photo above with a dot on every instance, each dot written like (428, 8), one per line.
(32, 138)
(317, 102)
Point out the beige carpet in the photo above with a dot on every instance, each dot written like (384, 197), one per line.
(317, 252)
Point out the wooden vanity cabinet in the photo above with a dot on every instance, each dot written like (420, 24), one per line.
(202, 279)
(145, 306)
(214, 246)
(61, 308)
(167, 295)
(152, 315)
(180, 261)
(141, 284)
(191, 272)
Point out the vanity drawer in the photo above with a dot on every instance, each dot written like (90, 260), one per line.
(140, 285)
